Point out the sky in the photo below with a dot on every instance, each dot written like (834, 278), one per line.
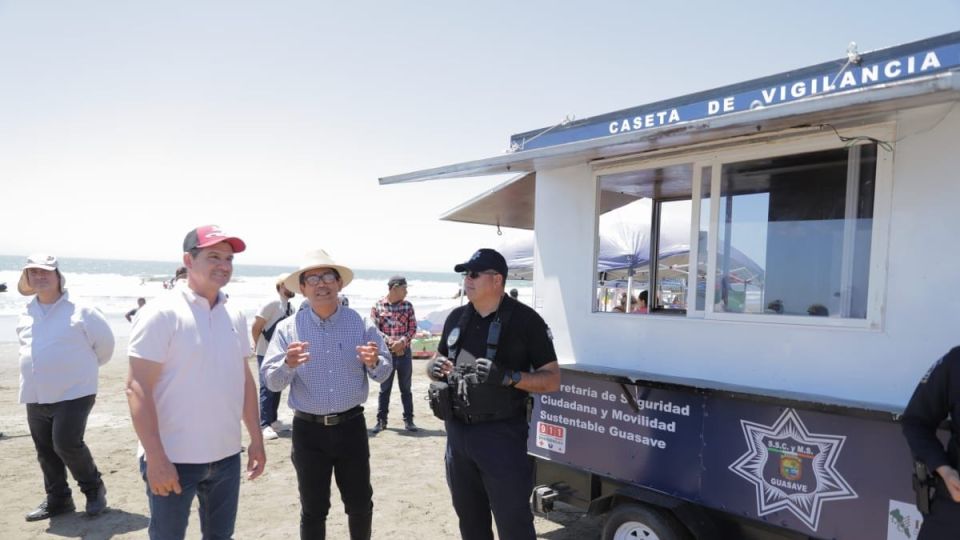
(125, 124)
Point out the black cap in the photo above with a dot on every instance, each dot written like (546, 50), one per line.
(396, 281)
(484, 259)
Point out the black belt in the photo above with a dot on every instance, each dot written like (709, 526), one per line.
(480, 418)
(330, 419)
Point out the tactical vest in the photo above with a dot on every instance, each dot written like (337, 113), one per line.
(474, 402)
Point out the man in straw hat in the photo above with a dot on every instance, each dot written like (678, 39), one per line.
(326, 353)
(263, 327)
(189, 388)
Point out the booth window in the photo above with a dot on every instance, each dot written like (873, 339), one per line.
(642, 213)
(794, 234)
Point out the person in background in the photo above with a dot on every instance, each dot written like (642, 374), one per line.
(140, 303)
(326, 353)
(641, 306)
(515, 294)
(508, 346)
(263, 327)
(189, 388)
(396, 320)
(936, 398)
(62, 346)
(179, 275)
(621, 306)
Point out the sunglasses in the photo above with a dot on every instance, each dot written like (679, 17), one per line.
(315, 279)
(473, 274)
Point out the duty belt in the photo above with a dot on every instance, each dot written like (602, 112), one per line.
(330, 419)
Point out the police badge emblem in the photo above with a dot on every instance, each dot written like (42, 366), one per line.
(453, 337)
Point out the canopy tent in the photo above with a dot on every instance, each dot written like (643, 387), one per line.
(625, 247)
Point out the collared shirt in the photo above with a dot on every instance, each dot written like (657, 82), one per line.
(199, 394)
(334, 379)
(395, 320)
(61, 350)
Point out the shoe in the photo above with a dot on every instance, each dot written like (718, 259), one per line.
(47, 510)
(379, 426)
(269, 434)
(410, 426)
(97, 501)
(279, 426)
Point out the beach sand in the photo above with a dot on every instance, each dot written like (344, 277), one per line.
(410, 494)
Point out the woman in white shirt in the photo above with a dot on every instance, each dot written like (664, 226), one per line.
(62, 346)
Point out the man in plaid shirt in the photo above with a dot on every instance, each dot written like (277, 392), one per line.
(394, 316)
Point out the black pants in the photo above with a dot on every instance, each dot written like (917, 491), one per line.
(57, 430)
(943, 522)
(341, 451)
(488, 470)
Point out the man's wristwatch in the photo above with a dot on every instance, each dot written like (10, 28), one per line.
(514, 378)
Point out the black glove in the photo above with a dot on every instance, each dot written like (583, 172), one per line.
(490, 373)
(435, 368)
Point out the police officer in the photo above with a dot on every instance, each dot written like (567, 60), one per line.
(499, 351)
(937, 396)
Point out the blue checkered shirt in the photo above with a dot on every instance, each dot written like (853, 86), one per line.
(334, 379)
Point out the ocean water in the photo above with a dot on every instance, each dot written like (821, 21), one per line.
(113, 286)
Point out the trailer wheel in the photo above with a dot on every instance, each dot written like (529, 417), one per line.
(628, 521)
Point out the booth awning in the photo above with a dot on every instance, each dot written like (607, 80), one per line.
(509, 204)
(872, 104)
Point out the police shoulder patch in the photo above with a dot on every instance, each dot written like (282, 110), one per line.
(926, 376)
(549, 334)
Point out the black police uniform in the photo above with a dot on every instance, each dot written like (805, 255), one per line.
(937, 395)
(487, 464)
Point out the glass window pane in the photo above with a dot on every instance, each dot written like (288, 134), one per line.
(628, 204)
(703, 245)
(674, 259)
(794, 234)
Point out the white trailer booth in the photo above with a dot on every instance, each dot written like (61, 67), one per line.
(744, 403)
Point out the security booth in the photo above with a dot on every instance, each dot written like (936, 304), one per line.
(744, 286)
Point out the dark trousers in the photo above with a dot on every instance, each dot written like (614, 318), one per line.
(269, 400)
(943, 522)
(488, 470)
(403, 370)
(57, 430)
(341, 451)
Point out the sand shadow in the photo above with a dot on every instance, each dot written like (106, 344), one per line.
(421, 432)
(576, 525)
(401, 432)
(110, 523)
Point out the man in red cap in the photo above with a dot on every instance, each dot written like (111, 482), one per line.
(189, 388)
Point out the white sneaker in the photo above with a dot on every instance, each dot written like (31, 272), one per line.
(279, 426)
(269, 434)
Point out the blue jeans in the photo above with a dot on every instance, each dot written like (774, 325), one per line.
(269, 400)
(216, 484)
(403, 369)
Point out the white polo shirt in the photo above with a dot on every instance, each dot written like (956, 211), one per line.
(199, 395)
